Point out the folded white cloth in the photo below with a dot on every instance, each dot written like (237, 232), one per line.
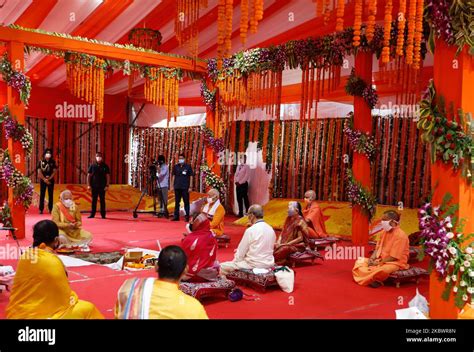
(6, 270)
(260, 271)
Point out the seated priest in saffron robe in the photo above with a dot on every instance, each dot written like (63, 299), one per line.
(390, 255)
(41, 288)
(293, 236)
(215, 212)
(200, 247)
(148, 298)
(313, 216)
(67, 216)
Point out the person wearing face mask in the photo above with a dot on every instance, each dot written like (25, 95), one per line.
(41, 288)
(68, 218)
(241, 179)
(390, 255)
(293, 236)
(313, 216)
(200, 247)
(46, 171)
(98, 181)
(255, 250)
(215, 212)
(181, 179)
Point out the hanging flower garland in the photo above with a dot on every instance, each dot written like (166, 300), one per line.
(449, 249)
(340, 15)
(401, 27)
(387, 31)
(244, 21)
(357, 23)
(85, 76)
(147, 38)
(257, 6)
(13, 129)
(370, 30)
(211, 180)
(411, 32)
(15, 79)
(360, 142)
(186, 23)
(451, 141)
(418, 34)
(208, 96)
(21, 185)
(358, 195)
(5, 215)
(217, 144)
(356, 86)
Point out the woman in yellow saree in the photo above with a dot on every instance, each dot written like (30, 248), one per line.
(41, 288)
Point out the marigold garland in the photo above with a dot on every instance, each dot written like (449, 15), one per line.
(411, 32)
(340, 15)
(401, 27)
(387, 31)
(244, 21)
(85, 75)
(357, 23)
(186, 28)
(257, 6)
(418, 34)
(370, 30)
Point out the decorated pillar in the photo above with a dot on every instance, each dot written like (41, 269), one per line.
(453, 80)
(212, 124)
(361, 164)
(17, 154)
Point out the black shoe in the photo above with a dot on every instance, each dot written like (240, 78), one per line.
(41, 212)
(241, 215)
(103, 216)
(175, 219)
(186, 218)
(91, 217)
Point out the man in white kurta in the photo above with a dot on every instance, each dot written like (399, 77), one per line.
(255, 250)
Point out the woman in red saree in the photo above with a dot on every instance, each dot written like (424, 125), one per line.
(314, 216)
(293, 236)
(200, 247)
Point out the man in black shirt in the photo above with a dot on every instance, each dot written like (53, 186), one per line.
(98, 180)
(181, 174)
(46, 170)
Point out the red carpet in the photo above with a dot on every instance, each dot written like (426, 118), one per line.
(322, 291)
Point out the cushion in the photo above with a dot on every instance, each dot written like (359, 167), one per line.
(322, 242)
(200, 290)
(256, 281)
(414, 252)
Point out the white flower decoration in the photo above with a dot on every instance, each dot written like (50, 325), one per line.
(455, 289)
(454, 278)
(463, 283)
(448, 279)
(450, 235)
(469, 250)
(467, 264)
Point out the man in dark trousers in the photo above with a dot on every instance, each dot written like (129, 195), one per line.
(98, 180)
(46, 170)
(182, 177)
(241, 179)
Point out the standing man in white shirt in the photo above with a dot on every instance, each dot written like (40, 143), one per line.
(241, 179)
(255, 250)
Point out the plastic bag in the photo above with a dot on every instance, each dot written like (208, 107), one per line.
(285, 278)
(410, 313)
(420, 302)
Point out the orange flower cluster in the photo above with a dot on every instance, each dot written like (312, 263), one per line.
(401, 26)
(162, 90)
(387, 31)
(186, 29)
(371, 20)
(257, 15)
(319, 7)
(327, 12)
(244, 21)
(229, 11)
(221, 31)
(357, 22)
(418, 34)
(340, 15)
(411, 32)
(87, 83)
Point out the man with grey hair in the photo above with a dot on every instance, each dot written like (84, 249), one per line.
(255, 250)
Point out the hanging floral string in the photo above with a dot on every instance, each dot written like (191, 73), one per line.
(451, 141)
(257, 14)
(450, 251)
(360, 142)
(162, 88)
(356, 86)
(411, 32)
(418, 34)
(186, 23)
(217, 144)
(146, 38)
(357, 22)
(85, 76)
(340, 15)
(370, 31)
(401, 27)
(244, 21)
(387, 31)
(15, 79)
(21, 185)
(13, 129)
(360, 196)
(208, 96)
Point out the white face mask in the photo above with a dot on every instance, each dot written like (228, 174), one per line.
(99, 159)
(68, 203)
(210, 200)
(47, 155)
(181, 161)
(386, 225)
